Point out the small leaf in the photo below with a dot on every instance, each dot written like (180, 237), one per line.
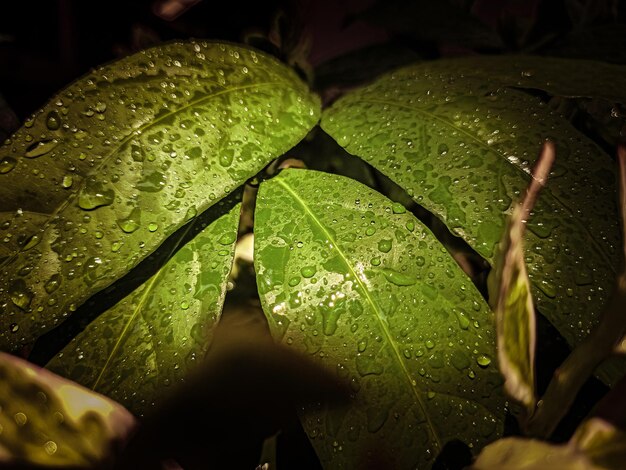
(510, 297)
(514, 453)
(122, 158)
(369, 292)
(145, 344)
(462, 148)
(47, 420)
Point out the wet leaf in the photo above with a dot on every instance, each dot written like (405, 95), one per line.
(510, 297)
(357, 282)
(463, 148)
(145, 344)
(123, 157)
(50, 421)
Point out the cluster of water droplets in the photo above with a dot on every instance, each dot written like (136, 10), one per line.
(463, 147)
(360, 283)
(122, 158)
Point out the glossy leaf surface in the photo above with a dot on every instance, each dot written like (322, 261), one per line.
(355, 280)
(463, 149)
(146, 343)
(50, 421)
(120, 159)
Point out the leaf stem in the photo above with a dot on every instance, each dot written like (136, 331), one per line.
(599, 345)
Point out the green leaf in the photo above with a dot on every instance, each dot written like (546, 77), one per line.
(463, 149)
(121, 158)
(49, 421)
(352, 278)
(603, 443)
(148, 341)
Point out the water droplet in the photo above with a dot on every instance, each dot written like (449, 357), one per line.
(20, 419)
(50, 447)
(375, 261)
(14, 327)
(153, 226)
(464, 322)
(41, 148)
(132, 222)
(53, 283)
(399, 279)
(430, 344)
(294, 281)
(67, 182)
(94, 195)
(20, 295)
(228, 238)
(32, 242)
(308, 271)
(366, 364)
(191, 213)
(483, 360)
(370, 231)
(53, 121)
(376, 418)
(184, 305)
(398, 208)
(385, 245)
(420, 261)
(100, 107)
(152, 182)
(7, 164)
(410, 225)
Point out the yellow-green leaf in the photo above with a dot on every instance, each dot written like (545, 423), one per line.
(122, 158)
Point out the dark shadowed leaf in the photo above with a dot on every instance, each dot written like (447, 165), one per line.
(49, 421)
(357, 282)
(463, 148)
(138, 349)
(561, 77)
(120, 159)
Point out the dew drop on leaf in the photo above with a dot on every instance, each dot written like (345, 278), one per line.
(398, 208)
(399, 279)
(131, 223)
(20, 295)
(308, 271)
(7, 164)
(227, 238)
(483, 360)
(41, 148)
(53, 121)
(94, 195)
(385, 245)
(67, 181)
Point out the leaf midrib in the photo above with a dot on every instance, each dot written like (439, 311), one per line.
(66, 202)
(546, 190)
(375, 307)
